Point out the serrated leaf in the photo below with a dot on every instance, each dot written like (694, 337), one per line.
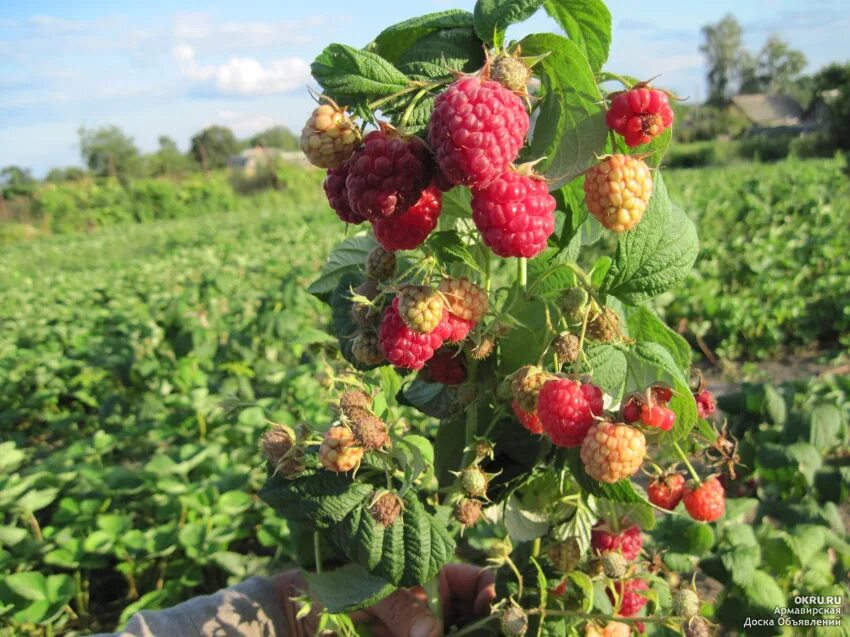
(320, 498)
(588, 23)
(607, 364)
(393, 41)
(763, 592)
(347, 589)
(570, 130)
(455, 49)
(448, 247)
(621, 491)
(654, 256)
(808, 459)
(774, 405)
(492, 17)
(644, 325)
(825, 426)
(524, 344)
(583, 582)
(432, 399)
(347, 256)
(741, 562)
(353, 76)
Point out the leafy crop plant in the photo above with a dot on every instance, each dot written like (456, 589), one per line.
(479, 167)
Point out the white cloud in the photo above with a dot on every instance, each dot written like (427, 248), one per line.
(244, 75)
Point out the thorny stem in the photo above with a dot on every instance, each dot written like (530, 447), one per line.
(687, 462)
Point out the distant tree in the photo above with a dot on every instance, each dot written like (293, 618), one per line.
(61, 175)
(15, 181)
(275, 137)
(724, 50)
(832, 84)
(108, 152)
(168, 160)
(779, 65)
(213, 146)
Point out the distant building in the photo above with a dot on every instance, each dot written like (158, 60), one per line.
(772, 113)
(252, 159)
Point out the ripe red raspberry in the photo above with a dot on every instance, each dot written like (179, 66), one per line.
(477, 129)
(640, 114)
(630, 600)
(567, 410)
(706, 405)
(337, 195)
(458, 328)
(666, 491)
(402, 346)
(329, 136)
(387, 175)
(338, 451)
(464, 299)
(617, 191)
(612, 451)
(446, 367)
(657, 416)
(628, 542)
(706, 502)
(528, 419)
(515, 214)
(409, 230)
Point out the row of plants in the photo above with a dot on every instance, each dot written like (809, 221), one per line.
(95, 203)
(759, 148)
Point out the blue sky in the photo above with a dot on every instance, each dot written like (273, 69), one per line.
(157, 68)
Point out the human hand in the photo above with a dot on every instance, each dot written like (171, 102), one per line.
(466, 592)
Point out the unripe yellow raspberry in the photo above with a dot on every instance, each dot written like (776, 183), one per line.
(617, 191)
(612, 451)
(329, 137)
(338, 451)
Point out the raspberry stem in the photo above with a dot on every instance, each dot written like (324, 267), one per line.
(690, 467)
(522, 273)
(407, 111)
(317, 552)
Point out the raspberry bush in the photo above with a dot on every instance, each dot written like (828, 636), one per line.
(504, 397)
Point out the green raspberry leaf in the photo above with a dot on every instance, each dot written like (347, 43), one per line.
(588, 23)
(348, 588)
(493, 17)
(347, 256)
(354, 77)
(409, 552)
(654, 256)
(570, 132)
(320, 498)
(645, 325)
(397, 39)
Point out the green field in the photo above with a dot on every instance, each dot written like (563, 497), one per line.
(139, 363)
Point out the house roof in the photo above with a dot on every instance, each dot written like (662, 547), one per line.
(769, 110)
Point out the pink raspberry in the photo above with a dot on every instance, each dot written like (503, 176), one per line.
(446, 367)
(409, 230)
(630, 600)
(528, 419)
(514, 214)
(567, 409)
(706, 405)
(402, 346)
(387, 175)
(477, 129)
(639, 115)
(458, 327)
(337, 195)
(629, 542)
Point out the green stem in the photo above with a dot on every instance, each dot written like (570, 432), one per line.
(473, 627)
(519, 584)
(407, 111)
(687, 462)
(317, 551)
(535, 547)
(81, 599)
(522, 273)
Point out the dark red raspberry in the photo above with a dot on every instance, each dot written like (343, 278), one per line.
(459, 328)
(477, 129)
(515, 214)
(446, 367)
(630, 600)
(567, 409)
(409, 230)
(706, 502)
(706, 405)
(528, 419)
(639, 115)
(337, 195)
(666, 491)
(629, 542)
(387, 175)
(631, 409)
(402, 346)
(657, 416)
(661, 393)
